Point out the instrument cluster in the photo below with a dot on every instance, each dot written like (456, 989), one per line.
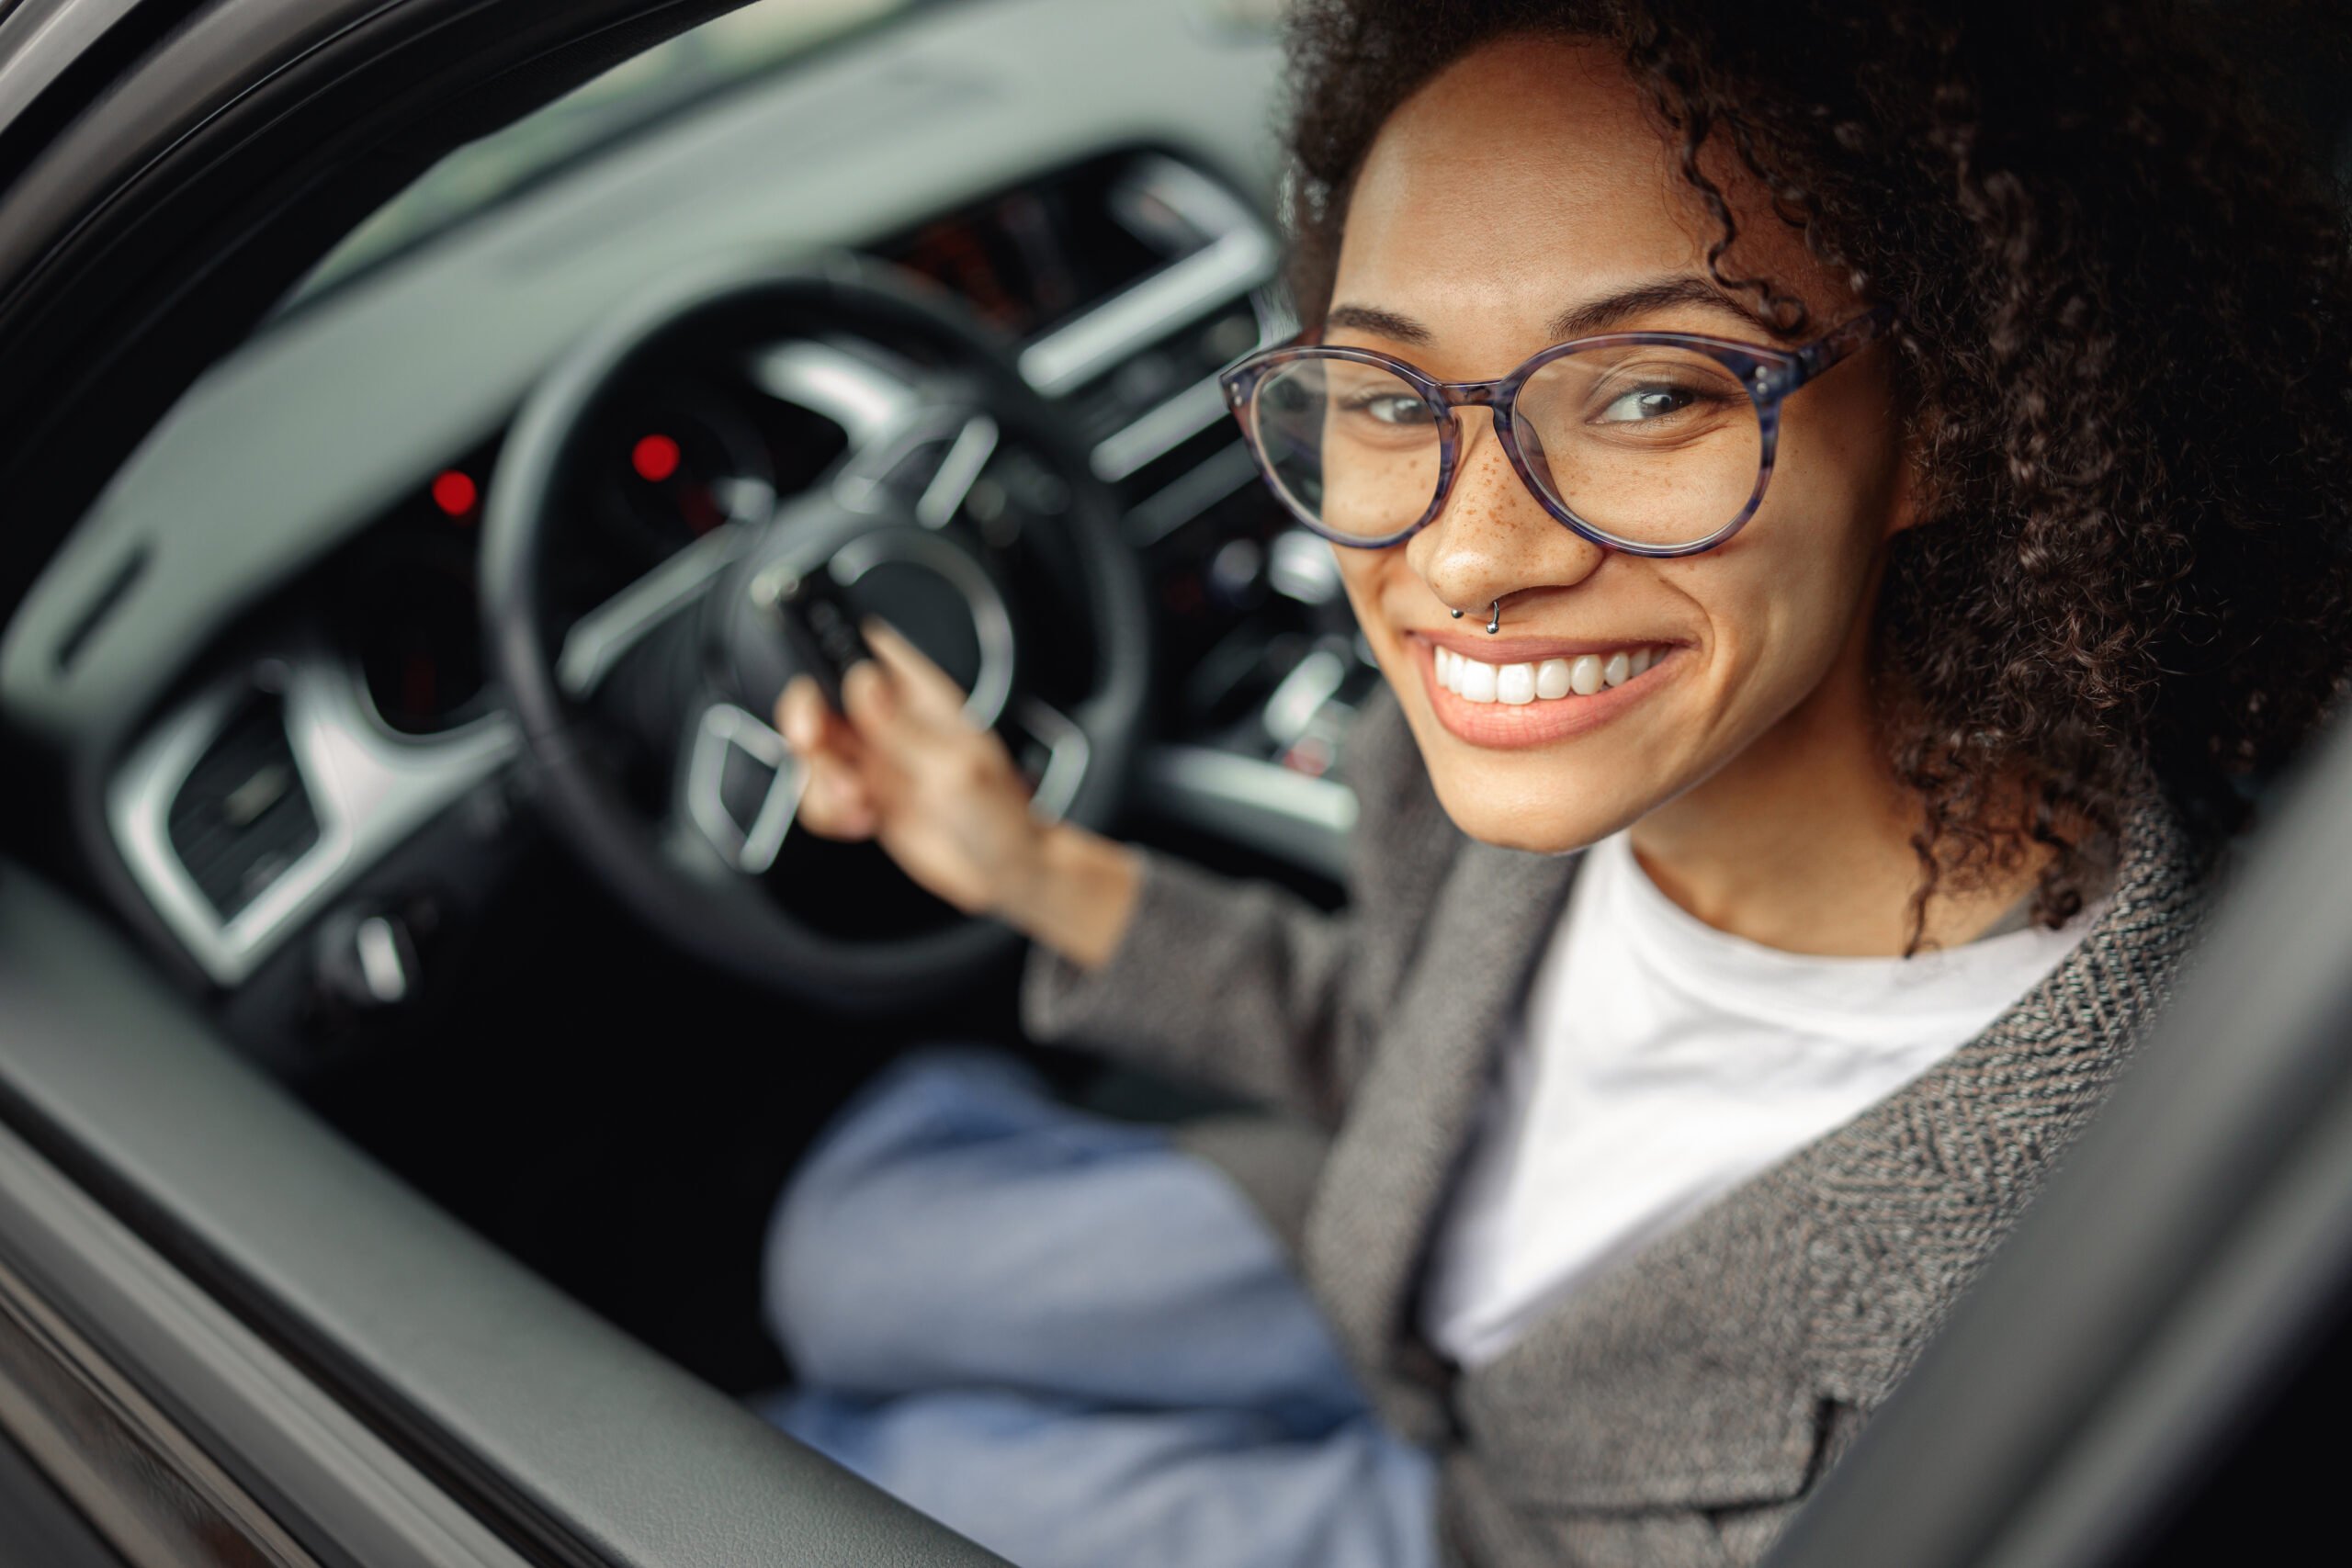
(695, 444)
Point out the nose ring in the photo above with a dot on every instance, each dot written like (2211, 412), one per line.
(1494, 617)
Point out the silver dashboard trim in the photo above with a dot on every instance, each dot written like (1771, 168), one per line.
(1296, 700)
(1158, 431)
(1302, 566)
(1192, 196)
(1190, 493)
(1305, 820)
(369, 787)
(1240, 256)
(1174, 296)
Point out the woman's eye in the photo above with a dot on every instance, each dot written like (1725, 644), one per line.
(1390, 408)
(1640, 403)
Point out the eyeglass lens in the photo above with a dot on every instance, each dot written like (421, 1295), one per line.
(1648, 443)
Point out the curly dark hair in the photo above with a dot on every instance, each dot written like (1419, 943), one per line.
(2125, 352)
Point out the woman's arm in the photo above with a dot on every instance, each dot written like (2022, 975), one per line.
(1074, 895)
(1241, 984)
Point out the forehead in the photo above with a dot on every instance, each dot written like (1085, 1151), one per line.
(1525, 177)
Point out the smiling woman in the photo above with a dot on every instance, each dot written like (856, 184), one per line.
(1466, 261)
(1840, 528)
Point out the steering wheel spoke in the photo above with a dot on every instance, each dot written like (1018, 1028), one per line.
(739, 787)
(600, 640)
(924, 434)
(1063, 754)
(927, 464)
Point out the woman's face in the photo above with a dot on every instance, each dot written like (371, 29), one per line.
(1521, 186)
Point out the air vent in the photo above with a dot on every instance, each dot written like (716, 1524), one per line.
(1167, 368)
(243, 817)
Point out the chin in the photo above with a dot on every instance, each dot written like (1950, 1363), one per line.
(1510, 814)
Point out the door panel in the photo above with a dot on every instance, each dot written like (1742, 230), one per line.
(387, 1383)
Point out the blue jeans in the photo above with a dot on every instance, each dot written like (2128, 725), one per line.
(1071, 1341)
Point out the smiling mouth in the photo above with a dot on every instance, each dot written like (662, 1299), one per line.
(1555, 692)
(1542, 681)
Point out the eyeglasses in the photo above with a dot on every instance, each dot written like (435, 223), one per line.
(1657, 444)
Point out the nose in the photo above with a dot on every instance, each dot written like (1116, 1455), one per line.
(1493, 537)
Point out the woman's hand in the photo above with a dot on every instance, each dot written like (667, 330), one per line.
(944, 799)
(907, 769)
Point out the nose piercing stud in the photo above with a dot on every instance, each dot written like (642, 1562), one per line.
(1494, 617)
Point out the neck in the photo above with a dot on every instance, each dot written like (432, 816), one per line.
(1802, 841)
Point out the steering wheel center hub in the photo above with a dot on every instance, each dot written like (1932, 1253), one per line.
(928, 587)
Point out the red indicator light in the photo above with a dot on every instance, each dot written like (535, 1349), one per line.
(453, 493)
(655, 459)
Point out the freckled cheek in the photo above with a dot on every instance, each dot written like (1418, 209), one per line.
(1370, 492)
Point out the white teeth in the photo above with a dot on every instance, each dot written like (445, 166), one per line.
(1517, 684)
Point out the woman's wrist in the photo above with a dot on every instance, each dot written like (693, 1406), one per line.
(1075, 894)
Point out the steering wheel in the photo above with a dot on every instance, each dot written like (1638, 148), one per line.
(684, 666)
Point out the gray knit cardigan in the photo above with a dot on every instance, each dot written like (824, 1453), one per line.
(1673, 1411)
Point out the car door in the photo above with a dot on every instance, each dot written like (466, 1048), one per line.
(2151, 1369)
(226, 1336)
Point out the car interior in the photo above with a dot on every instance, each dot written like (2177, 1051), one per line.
(319, 816)
(380, 712)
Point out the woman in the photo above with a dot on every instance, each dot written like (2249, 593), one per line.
(1752, 897)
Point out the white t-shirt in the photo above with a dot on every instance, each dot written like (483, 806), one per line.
(1658, 1063)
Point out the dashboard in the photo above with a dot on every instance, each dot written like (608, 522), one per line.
(263, 647)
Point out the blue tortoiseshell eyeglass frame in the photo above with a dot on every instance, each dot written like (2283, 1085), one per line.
(1770, 374)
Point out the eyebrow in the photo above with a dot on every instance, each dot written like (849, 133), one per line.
(1578, 321)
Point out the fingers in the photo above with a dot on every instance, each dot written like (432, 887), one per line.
(838, 800)
(897, 718)
(835, 803)
(802, 716)
(931, 692)
(875, 714)
(902, 718)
